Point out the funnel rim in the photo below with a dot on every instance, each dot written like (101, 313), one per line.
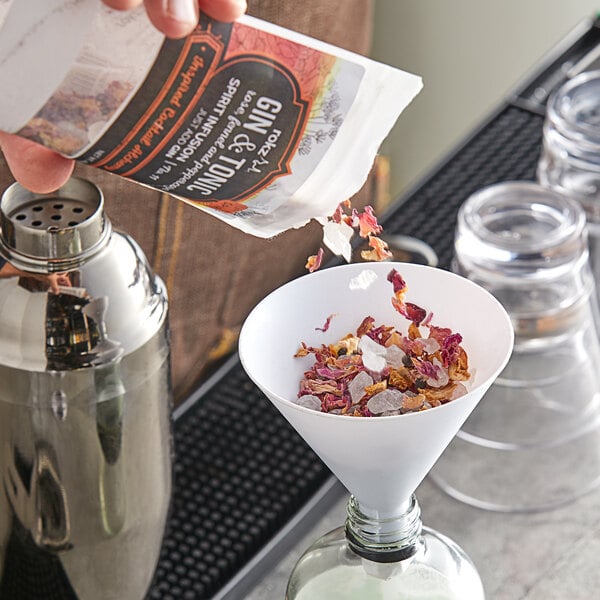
(404, 268)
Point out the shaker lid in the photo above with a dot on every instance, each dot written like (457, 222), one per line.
(55, 231)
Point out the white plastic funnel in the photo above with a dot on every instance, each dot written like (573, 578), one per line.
(380, 460)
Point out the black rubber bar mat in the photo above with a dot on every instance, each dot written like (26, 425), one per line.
(241, 472)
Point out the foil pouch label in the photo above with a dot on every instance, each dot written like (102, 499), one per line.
(261, 127)
(222, 114)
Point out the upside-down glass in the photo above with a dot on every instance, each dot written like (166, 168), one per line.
(533, 442)
(570, 159)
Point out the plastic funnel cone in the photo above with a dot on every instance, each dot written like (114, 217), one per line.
(380, 460)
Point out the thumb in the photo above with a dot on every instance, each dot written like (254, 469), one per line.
(33, 166)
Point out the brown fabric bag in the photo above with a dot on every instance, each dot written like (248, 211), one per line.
(214, 273)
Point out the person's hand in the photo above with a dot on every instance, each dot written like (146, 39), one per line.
(177, 18)
(42, 170)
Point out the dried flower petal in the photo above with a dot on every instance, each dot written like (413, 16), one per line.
(451, 349)
(302, 351)
(365, 326)
(326, 325)
(397, 281)
(379, 250)
(413, 402)
(459, 370)
(381, 372)
(400, 379)
(367, 222)
(339, 215)
(415, 313)
(316, 387)
(314, 262)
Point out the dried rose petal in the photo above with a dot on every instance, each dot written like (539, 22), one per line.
(314, 262)
(316, 387)
(339, 228)
(381, 372)
(330, 373)
(326, 325)
(415, 313)
(338, 216)
(459, 369)
(302, 351)
(451, 348)
(366, 222)
(379, 250)
(398, 283)
(439, 333)
(365, 326)
(412, 402)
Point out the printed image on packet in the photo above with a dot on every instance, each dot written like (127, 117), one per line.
(260, 126)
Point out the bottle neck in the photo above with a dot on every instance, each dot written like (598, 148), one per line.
(384, 539)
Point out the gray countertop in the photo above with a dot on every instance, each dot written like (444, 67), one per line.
(550, 555)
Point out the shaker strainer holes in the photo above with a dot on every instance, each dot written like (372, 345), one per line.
(58, 206)
(21, 217)
(37, 208)
(36, 223)
(78, 210)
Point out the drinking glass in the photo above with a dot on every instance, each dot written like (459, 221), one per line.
(533, 442)
(570, 159)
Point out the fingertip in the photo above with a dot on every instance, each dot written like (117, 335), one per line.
(224, 10)
(174, 18)
(37, 168)
(123, 4)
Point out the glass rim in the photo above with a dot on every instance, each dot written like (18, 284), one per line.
(567, 213)
(559, 115)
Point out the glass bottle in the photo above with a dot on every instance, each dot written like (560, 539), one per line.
(391, 557)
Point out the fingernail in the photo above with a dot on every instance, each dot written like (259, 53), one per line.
(184, 11)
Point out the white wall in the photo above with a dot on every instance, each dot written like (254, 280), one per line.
(470, 53)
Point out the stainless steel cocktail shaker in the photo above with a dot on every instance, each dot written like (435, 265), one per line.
(85, 402)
